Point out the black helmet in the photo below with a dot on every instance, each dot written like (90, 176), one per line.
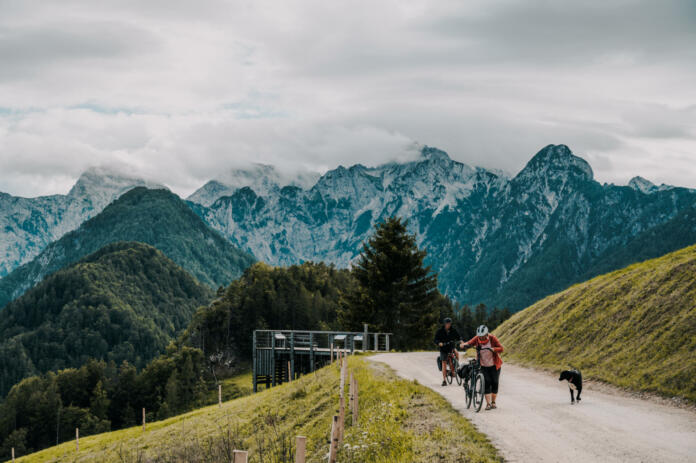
(447, 320)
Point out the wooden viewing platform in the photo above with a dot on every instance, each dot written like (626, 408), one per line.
(283, 355)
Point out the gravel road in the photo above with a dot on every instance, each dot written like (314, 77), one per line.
(535, 421)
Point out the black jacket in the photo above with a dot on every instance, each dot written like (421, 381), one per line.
(443, 336)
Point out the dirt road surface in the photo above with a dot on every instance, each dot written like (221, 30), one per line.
(535, 421)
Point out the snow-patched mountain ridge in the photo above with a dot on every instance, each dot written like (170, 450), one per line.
(488, 235)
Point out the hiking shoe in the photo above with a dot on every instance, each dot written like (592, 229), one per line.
(444, 383)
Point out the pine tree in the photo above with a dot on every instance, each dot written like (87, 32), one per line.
(396, 292)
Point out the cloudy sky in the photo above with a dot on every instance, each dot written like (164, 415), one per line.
(179, 91)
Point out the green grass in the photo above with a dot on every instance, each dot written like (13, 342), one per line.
(634, 328)
(400, 421)
(237, 386)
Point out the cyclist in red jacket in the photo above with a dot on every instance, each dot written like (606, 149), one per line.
(489, 349)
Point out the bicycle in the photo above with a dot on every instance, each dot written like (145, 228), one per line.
(474, 382)
(452, 364)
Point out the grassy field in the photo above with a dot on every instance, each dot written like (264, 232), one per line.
(634, 328)
(232, 388)
(400, 421)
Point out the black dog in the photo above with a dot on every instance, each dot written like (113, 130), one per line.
(574, 378)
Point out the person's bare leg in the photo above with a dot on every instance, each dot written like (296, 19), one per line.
(493, 396)
(444, 370)
(488, 399)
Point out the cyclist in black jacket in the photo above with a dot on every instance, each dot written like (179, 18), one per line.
(446, 338)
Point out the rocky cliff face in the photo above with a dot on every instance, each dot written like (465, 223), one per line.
(494, 239)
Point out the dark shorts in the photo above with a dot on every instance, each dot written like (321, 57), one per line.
(444, 353)
(492, 376)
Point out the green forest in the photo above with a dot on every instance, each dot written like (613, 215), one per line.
(126, 302)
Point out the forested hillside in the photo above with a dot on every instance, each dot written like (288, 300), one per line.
(155, 217)
(125, 302)
(305, 296)
(634, 327)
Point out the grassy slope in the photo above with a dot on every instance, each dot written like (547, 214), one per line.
(400, 421)
(635, 327)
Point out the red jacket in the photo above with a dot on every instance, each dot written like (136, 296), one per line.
(497, 348)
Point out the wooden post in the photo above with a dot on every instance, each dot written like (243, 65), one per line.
(219, 395)
(77, 439)
(331, 353)
(240, 456)
(366, 340)
(342, 383)
(333, 446)
(300, 449)
(341, 418)
(144, 421)
(289, 372)
(356, 391)
(13, 460)
(351, 393)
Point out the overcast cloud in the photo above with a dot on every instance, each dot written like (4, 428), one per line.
(178, 91)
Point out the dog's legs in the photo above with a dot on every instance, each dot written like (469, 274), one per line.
(572, 397)
(579, 391)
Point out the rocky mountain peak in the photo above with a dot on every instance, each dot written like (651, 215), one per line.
(103, 182)
(434, 154)
(642, 184)
(555, 159)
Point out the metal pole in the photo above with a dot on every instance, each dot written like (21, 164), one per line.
(311, 351)
(366, 341)
(387, 343)
(376, 347)
(253, 361)
(273, 360)
(291, 371)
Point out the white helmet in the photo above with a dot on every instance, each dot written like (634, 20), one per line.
(482, 331)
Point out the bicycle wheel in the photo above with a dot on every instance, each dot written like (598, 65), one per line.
(479, 389)
(456, 372)
(449, 371)
(468, 390)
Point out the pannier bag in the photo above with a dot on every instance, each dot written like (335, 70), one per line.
(463, 370)
(439, 363)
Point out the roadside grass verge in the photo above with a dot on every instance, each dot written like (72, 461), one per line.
(399, 421)
(634, 328)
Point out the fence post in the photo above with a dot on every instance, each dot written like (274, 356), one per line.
(240, 456)
(351, 393)
(77, 439)
(300, 449)
(144, 420)
(341, 418)
(387, 343)
(331, 353)
(219, 395)
(356, 391)
(333, 446)
(13, 460)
